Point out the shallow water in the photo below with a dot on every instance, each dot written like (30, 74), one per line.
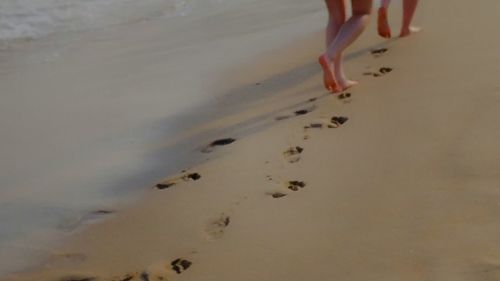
(35, 19)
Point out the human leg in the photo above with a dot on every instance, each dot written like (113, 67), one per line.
(347, 34)
(383, 27)
(409, 7)
(336, 18)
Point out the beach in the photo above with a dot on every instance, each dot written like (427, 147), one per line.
(206, 148)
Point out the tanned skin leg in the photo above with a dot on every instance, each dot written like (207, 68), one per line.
(348, 33)
(383, 28)
(409, 8)
(336, 18)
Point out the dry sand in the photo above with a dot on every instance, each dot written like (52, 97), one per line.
(406, 189)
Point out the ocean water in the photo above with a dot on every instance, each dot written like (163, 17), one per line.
(37, 18)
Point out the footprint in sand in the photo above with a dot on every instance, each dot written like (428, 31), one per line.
(381, 72)
(339, 120)
(292, 154)
(78, 278)
(290, 185)
(159, 271)
(180, 265)
(345, 97)
(332, 123)
(295, 185)
(215, 229)
(141, 276)
(220, 142)
(378, 52)
(278, 194)
(186, 177)
(298, 112)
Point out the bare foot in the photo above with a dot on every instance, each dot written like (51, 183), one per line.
(328, 79)
(345, 83)
(410, 30)
(384, 29)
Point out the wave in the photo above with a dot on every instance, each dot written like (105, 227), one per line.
(33, 19)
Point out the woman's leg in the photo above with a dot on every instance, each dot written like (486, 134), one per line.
(336, 18)
(409, 7)
(347, 34)
(383, 27)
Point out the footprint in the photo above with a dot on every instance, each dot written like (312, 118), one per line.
(292, 154)
(382, 71)
(139, 276)
(277, 194)
(180, 265)
(339, 120)
(299, 112)
(378, 52)
(158, 271)
(332, 123)
(77, 278)
(345, 97)
(296, 185)
(315, 125)
(215, 229)
(174, 181)
(385, 70)
(102, 212)
(220, 142)
(290, 185)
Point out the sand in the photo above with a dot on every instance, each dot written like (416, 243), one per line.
(406, 189)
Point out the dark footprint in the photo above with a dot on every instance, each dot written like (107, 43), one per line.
(378, 52)
(385, 70)
(296, 185)
(180, 265)
(332, 123)
(220, 142)
(102, 212)
(314, 126)
(344, 96)
(192, 176)
(187, 177)
(216, 228)
(292, 155)
(277, 194)
(382, 72)
(74, 278)
(301, 112)
(339, 120)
